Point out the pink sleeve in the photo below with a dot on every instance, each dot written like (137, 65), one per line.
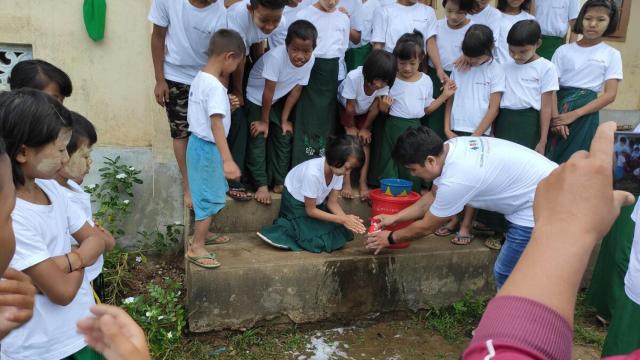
(519, 328)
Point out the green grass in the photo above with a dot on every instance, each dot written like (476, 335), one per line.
(586, 330)
(455, 322)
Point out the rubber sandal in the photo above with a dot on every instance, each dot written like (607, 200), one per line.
(462, 240)
(482, 228)
(196, 261)
(444, 231)
(233, 193)
(493, 243)
(265, 239)
(214, 239)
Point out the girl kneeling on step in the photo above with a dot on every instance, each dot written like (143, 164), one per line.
(310, 216)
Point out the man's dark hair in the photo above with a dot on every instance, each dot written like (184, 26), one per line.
(31, 118)
(410, 46)
(415, 145)
(82, 129)
(303, 30)
(478, 41)
(340, 148)
(614, 15)
(464, 5)
(269, 4)
(224, 41)
(38, 74)
(524, 32)
(380, 65)
(502, 5)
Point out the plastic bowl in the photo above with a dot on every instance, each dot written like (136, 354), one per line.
(396, 187)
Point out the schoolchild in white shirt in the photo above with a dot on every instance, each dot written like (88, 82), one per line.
(511, 11)
(556, 17)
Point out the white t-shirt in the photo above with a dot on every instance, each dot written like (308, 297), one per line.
(352, 88)
(289, 14)
(449, 43)
(276, 66)
(82, 201)
(365, 17)
(42, 232)
(239, 19)
(471, 101)
(333, 34)
(188, 34)
(632, 278)
(307, 180)
(411, 98)
(207, 97)
(392, 21)
(490, 17)
(527, 82)
(491, 174)
(506, 22)
(353, 8)
(554, 15)
(587, 67)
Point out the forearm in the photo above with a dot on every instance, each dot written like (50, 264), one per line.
(335, 208)
(323, 215)
(487, 120)
(267, 98)
(90, 249)
(596, 105)
(349, 114)
(417, 210)
(291, 101)
(447, 114)
(157, 56)
(434, 53)
(355, 36)
(435, 104)
(221, 140)
(371, 116)
(418, 228)
(554, 104)
(545, 117)
(238, 76)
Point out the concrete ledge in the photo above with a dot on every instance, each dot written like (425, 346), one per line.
(258, 283)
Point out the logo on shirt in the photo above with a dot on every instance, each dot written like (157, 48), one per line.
(483, 83)
(473, 145)
(530, 80)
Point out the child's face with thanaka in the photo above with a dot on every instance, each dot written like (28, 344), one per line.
(408, 68)
(455, 17)
(300, 51)
(327, 5)
(79, 162)
(350, 164)
(265, 19)
(46, 161)
(595, 22)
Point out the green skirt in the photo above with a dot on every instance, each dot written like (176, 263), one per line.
(581, 131)
(384, 166)
(435, 120)
(296, 230)
(623, 335)
(355, 57)
(607, 282)
(237, 139)
(549, 46)
(268, 159)
(315, 116)
(519, 126)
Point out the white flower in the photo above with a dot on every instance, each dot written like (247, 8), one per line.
(131, 168)
(179, 292)
(129, 300)
(160, 317)
(138, 259)
(169, 335)
(121, 176)
(148, 314)
(177, 223)
(126, 202)
(92, 186)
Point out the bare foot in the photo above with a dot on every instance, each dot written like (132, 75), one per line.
(204, 256)
(263, 196)
(347, 192)
(278, 189)
(364, 192)
(187, 199)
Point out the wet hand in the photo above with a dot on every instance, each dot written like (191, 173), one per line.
(377, 241)
(384, 220)
(354, 223)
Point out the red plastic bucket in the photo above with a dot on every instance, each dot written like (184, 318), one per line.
(385, 204)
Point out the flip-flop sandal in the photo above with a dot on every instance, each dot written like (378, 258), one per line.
(493, 243)
(266, 239)
(482, 228)
(444, 231)
(233, 193)
(217, 239)
(196, 261)
(462, 239)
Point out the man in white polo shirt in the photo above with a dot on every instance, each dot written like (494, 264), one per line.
(483, 172)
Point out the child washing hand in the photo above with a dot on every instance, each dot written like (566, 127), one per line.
(310, 216)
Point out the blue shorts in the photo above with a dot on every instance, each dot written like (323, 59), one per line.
(517, 238)
(206, 178)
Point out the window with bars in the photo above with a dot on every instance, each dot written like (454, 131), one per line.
(10, 55)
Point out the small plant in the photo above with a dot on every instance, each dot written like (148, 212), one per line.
(159, 243)
(118, 274)
(456, 321)
(114, 194)
(161, 315)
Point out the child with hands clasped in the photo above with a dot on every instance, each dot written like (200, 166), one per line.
(310, 216)
(280, 73)
(360, 96)
(37, 129)
(209, 160)
(585, 68)
(412, 94)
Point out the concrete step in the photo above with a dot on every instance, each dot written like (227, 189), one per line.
(240, 216)
(258, 283)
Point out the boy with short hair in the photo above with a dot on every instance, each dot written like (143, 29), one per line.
(176, 61)
(281, 72)
(209, 160)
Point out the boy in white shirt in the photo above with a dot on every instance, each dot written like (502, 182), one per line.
(289, 15)
(357, 53)
(406, 16)
(209, 160)
(511, 12)
(280, 73)
(181, 32)
(527, 102)
(556, 17)
(316, 110)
